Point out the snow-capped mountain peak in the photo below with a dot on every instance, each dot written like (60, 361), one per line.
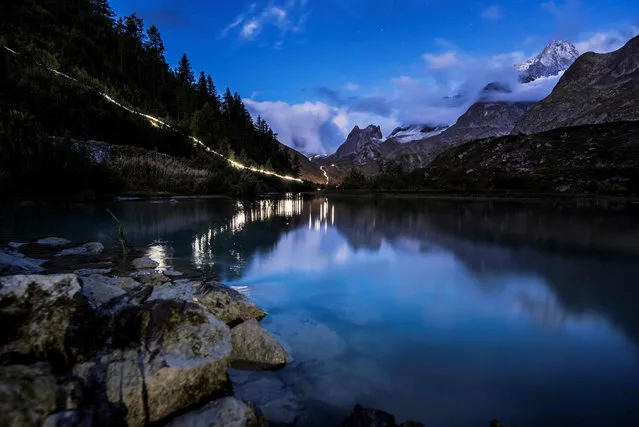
(556, 57)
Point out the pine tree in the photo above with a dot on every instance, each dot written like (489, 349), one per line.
(202, 90)
(227, 105)
(184, 72)
(214, 101)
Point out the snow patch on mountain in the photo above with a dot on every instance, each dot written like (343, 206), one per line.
(405, 134)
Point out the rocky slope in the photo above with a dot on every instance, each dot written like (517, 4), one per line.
(597, 88)
(361, 142)
(599, 159)
(482, 120)
(556, 57)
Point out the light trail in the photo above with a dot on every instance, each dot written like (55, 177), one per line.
(233, 163)
(325, 174)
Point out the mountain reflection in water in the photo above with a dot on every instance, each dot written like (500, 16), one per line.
(450, 312)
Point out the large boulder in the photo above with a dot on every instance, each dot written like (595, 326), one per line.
(29, 394)
(43, 317)
(227, 304)
(163, 356)
(226, 412)
(255, 348)
(99, 290)
(144, 263)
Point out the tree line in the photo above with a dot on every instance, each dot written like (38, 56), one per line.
(126, 59)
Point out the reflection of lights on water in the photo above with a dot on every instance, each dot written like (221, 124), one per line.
(258, 211)
(158, 254)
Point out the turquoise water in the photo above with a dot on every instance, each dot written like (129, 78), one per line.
(449, 312)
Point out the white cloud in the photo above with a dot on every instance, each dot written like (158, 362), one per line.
(272, 21)
(492, 13)
(314, 127)
(250, 29)
(442, 61)
(606, 41)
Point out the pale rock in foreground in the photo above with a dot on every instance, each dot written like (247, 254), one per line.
(254, 347)
(226, 412)
(166, 356)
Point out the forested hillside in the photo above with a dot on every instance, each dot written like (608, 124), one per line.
(124, 59)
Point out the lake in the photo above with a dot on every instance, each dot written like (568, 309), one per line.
(448, 312)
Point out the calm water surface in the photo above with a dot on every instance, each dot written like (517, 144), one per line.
(449, 312)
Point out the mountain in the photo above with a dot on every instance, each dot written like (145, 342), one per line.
(556, 57)
(360, 141)
(597, 88)
(599, 159)
(481, 120)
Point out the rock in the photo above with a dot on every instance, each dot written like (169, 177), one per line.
(172, 273)
(126, 283)
(91, 271)
(278, 403)
(163, 356)
(15, 245)
(255, 348)
(53, 241)
(99, 290)
(228, 305)
(226, 412)
(63, 419)
(143, 263)
(91, 248)
(13, 262)
(43, 317)
(367, 417)
(28, 394)
(149, 276)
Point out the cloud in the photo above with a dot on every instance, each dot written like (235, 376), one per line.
(273, 22)
(375, 105)
(492, 13)
(606, 41)
(314, 127)
(250, 30)
(442, 61)
(351, 87)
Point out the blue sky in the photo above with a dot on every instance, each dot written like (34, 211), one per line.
(316, 68)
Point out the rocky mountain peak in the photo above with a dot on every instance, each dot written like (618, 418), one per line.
(359, 140)
(556, 57)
